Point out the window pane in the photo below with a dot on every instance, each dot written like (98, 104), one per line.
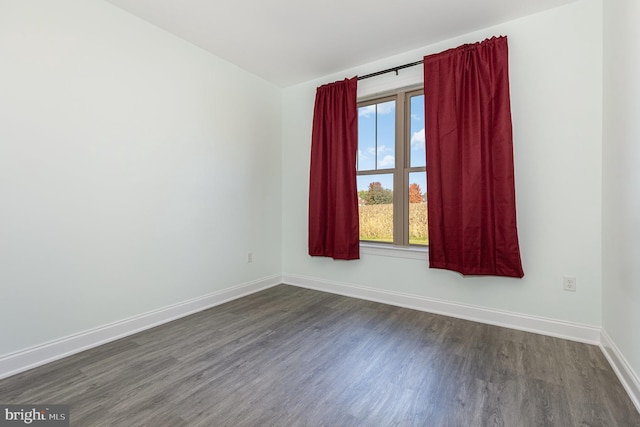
(375, 206)
(418, 232)
(418, 155)
(366, 138)
(386, 149)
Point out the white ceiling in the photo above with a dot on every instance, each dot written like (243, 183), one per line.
(292, 41)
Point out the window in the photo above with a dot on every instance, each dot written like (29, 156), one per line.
(391, 170)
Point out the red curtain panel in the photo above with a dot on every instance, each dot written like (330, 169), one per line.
(470, 177)
(333, 200)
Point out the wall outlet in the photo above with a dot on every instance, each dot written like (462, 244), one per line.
(569, 283)
(250, 257)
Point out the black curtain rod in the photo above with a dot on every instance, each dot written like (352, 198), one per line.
(390, 70)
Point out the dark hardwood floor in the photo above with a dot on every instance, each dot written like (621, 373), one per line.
(295, 357)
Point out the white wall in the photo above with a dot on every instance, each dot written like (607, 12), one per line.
(556, 94)
(621, 178)
(136, 170)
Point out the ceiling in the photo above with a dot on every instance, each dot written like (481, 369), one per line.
(293, 41)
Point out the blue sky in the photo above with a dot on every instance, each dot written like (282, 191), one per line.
(376, 141)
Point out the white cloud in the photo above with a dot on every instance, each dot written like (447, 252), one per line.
(387, 107)
(381, 150)
(416, 117)
(418, 140)
(387, 161)
(362, 158)
(384, 108)
(367, 111)
(384, 160)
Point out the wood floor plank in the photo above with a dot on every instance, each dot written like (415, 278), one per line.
(289, 356)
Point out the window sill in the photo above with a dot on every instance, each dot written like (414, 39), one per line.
(407, 252)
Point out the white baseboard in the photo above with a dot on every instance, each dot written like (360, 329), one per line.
(23, 360)
(621, 367)
(540, 325)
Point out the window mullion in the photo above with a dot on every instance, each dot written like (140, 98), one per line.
(406, 144)
(375, 156)
(400, 198)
